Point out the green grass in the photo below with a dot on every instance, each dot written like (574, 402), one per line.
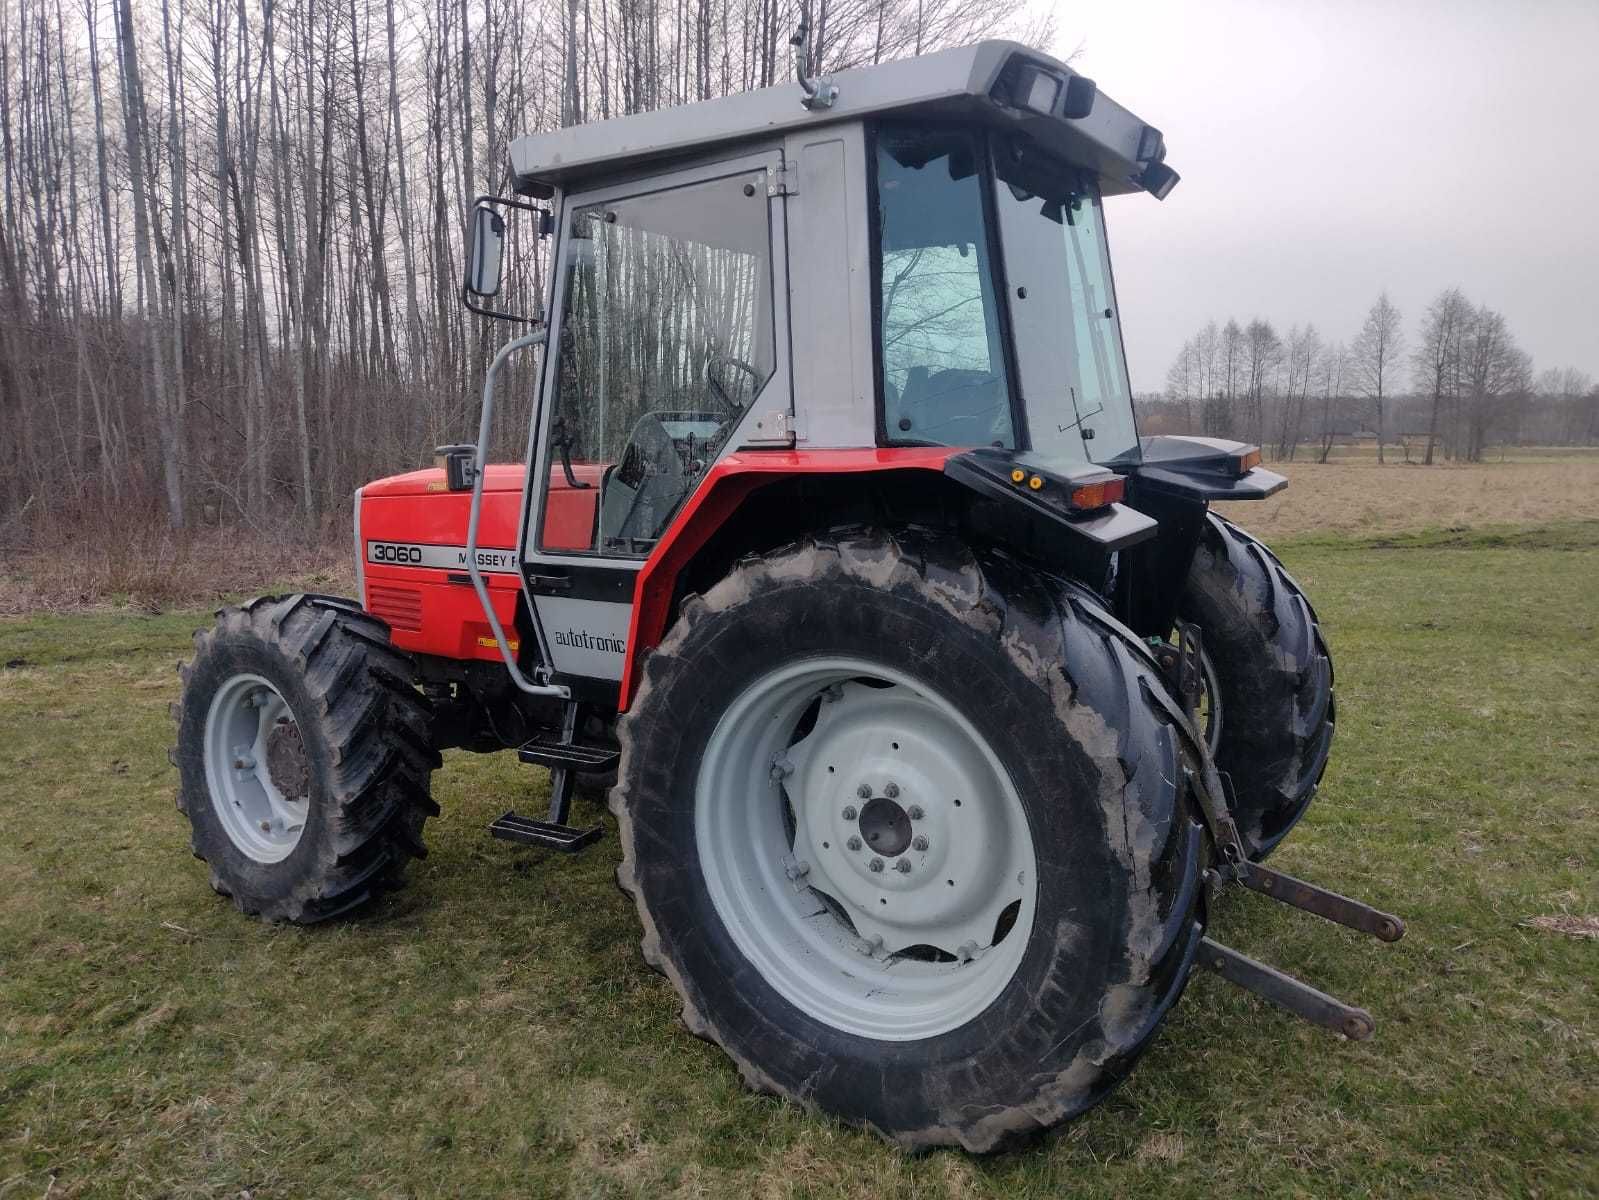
(492, 1030)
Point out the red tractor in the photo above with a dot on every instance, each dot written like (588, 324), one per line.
(931, 700)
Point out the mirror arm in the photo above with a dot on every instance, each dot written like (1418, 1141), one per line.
(474, 306)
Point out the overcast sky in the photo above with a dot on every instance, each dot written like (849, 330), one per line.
(1332, 148)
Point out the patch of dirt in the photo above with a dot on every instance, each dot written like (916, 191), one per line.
(1566, 923)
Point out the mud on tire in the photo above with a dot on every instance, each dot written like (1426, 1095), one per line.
(1068, 699)
(1274, 674)
(363, 732)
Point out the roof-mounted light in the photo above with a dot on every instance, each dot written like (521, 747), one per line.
(1151, 145)
(1037, 89)
(1158, 180)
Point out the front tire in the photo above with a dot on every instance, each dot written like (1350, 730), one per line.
(303, 757)
(1269, 664)
(999, 727)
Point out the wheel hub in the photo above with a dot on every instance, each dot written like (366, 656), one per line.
(885, 826)
(287, 767)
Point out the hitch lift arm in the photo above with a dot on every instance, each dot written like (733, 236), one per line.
(1214, 790)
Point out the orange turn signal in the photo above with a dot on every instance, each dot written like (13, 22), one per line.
(1017, 475)
(1036, 482)
(1098, 495)
(1245, 463)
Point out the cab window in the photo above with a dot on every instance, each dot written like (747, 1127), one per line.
(941, 356)
(666, 339)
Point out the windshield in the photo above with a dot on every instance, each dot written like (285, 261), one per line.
(1071, 372)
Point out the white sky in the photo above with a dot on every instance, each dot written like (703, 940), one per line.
(1331, 148)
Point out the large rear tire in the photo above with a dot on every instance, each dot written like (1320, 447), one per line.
(909, 832)
(303, 756)
(1267, 659)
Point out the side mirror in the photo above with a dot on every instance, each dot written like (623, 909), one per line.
(485, 252)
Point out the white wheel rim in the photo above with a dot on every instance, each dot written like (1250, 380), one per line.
(249, 730)
(940, 802)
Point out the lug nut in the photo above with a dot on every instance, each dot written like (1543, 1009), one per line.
(864, 791)
(903, 866)
(920, 841)
(266, 826)
(854, 843)
(892, 790)
(849, 812)
(915, 812)
(243, 763)
(877, 865)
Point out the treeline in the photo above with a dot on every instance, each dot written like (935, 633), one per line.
(230, 230)
(1451, 387)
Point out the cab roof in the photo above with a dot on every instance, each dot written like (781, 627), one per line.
(995, 83)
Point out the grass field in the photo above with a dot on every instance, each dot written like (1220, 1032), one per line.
(491, 1030)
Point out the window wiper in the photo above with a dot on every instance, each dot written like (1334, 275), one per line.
(1088, 434)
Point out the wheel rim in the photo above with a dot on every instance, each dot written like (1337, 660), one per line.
(865, 848)
(256, 769)
(1209, 702)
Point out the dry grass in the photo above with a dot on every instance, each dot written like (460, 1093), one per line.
(1359, 497)
(122, 567)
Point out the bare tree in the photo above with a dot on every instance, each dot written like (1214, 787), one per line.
(1333, 366)
(1437, 353)
(1495, 372)
(1374, 358)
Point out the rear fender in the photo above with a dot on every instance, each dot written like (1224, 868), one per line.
(1203, 469)
(727, 485)
(985, 474)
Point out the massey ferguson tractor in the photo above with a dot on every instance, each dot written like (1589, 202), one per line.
(932, 703)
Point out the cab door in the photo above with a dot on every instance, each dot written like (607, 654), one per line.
(669, 340)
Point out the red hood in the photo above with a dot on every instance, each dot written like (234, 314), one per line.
(500, 477)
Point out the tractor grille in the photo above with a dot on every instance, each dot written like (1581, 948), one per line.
(401, 607)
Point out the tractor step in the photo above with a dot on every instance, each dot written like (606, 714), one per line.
(1286, 992)
(513, 827)
(558, 755)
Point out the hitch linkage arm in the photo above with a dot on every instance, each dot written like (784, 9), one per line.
(1216, 801)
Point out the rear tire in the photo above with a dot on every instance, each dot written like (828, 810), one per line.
(997, 665)
(303, 756)
(1275, 677)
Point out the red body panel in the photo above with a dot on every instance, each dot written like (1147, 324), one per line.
(435, 610)
(427, 612)
(725, 486)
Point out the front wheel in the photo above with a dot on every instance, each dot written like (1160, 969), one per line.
(1268, 703)
(909, 836)
(303, 757)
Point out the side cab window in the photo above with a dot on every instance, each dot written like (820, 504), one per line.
(666, 338)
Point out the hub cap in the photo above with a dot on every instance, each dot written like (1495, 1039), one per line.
(866, 849)
(256, 769)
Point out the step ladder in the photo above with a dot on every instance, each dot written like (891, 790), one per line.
(564, 757)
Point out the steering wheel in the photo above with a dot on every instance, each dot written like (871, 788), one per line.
(712, 369)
